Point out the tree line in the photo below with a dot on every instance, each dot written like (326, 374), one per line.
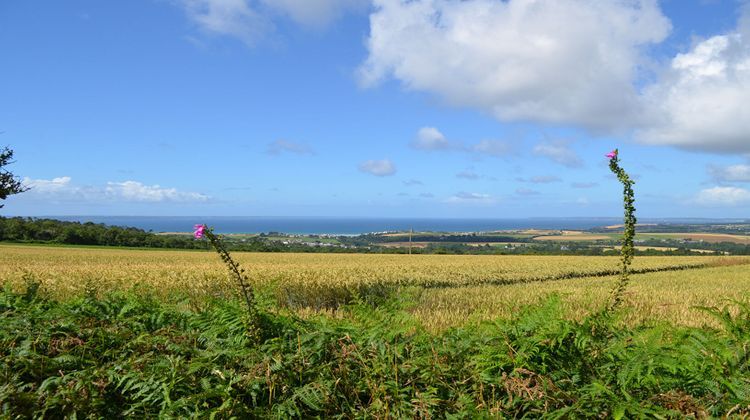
(27, 229)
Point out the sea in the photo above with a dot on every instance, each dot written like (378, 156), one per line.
(353, 225)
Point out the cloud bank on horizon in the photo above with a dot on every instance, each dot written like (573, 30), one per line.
(63, 189)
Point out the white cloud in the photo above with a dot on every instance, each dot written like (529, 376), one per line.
(378, 167)
(733, 173)
(316, 13)
(46, 186)
(546, 60)
(251, 21)
(135, 191)
(235, 18)
(63, 189)
(279, 146)
(723, 196)
(701, 100)
(495, 148)
(559, 152)
(430, 138)
(470, 197)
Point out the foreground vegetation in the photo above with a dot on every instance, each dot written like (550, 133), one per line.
(128, 354)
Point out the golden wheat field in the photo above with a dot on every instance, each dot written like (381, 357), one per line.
(671, 296)
(451, 288)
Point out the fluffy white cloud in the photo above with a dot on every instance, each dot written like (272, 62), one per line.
(543, 60)
(733, 173)
(279, 146)
(701, 101)
(559, 152)
(135, 191)
(723, 196)
(250, 21)
(430, 138)
(46, 186)
(378, 167)
(63, 189)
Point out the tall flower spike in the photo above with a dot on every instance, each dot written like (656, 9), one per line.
(627, 251)
(234, 269)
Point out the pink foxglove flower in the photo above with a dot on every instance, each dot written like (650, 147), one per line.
(199, 231)
(611, 155)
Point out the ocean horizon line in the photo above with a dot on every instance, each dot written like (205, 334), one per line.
(355, 225)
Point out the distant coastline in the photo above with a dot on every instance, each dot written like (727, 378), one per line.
(359, 225)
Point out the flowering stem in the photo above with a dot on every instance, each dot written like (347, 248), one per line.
(234, 267)
(627, 251)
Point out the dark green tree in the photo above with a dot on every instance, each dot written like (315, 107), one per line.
(9, 183)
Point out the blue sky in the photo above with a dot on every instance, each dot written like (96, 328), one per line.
(425, 108)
